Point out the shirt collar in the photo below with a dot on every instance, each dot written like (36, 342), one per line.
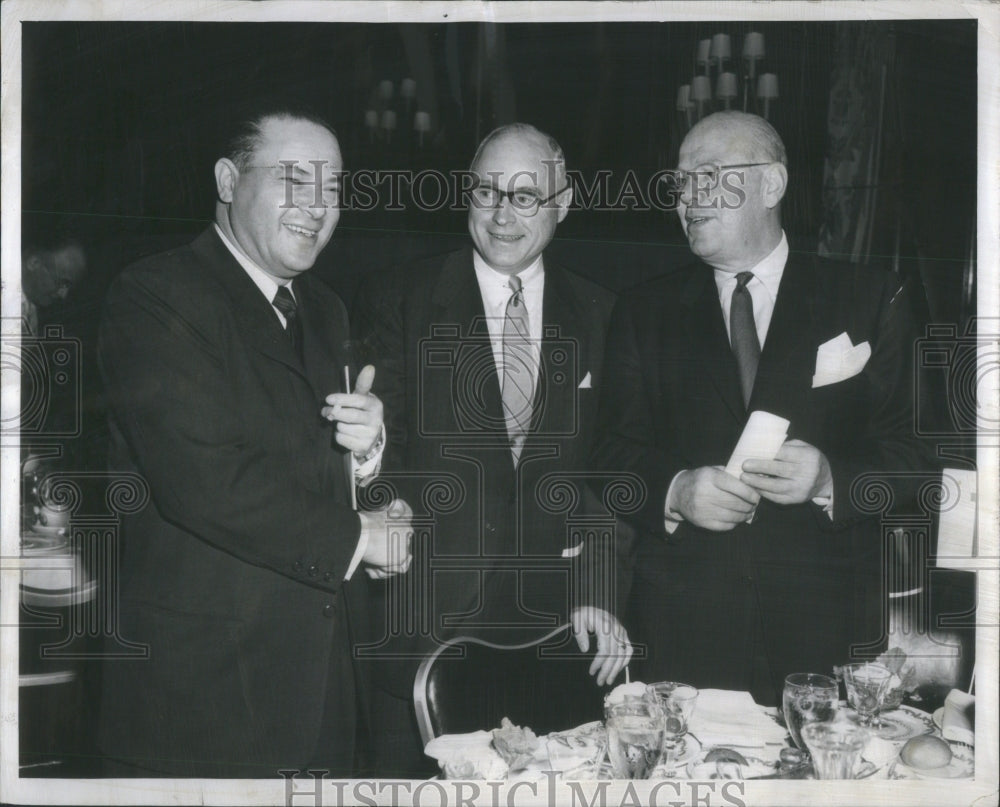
(768, 271)
(494, 285)
(262, 280)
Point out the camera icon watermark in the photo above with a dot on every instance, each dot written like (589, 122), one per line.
(49, 367)
(466, 366)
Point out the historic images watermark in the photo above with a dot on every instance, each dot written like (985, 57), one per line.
(430, 190)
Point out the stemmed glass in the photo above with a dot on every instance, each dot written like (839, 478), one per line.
(866, 684)
(677, 701)
(808, 698)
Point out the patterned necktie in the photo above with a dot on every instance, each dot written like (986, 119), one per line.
(285, 303)
(743, 334)
(518, 369)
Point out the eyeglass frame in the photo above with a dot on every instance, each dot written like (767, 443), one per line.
(716, 169)
(509, 195)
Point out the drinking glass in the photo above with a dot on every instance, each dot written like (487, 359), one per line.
(866, 684)
(677, 702)
(834, 748)
(635, 737)
(808, 698)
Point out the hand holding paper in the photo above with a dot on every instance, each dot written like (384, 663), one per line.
(798, 473)
(761, 439)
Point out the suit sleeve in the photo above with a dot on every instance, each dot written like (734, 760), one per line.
(890, 445)
(625, 433)
(177, 405)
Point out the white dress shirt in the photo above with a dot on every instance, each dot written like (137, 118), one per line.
(495, 290)
(363, 472)
(763, 288)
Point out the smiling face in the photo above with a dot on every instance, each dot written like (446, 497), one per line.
(504, 237)
(735, 225)
(282, 209)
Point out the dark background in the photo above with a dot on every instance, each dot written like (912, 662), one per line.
(120, 120)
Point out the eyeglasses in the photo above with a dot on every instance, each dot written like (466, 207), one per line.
(525, 202)
(706, 177)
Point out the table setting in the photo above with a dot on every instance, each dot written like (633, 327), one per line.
(672, 730)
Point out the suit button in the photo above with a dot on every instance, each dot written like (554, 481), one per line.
(313, 571)
(328, 577)
(328, 609)
(297, 566)
(490, 527)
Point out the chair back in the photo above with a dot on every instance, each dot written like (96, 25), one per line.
(469, 684)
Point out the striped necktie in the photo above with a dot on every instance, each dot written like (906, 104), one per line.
(519, 365)
(285, 303)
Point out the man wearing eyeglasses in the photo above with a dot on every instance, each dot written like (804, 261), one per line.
(741, 579)
(487, 361)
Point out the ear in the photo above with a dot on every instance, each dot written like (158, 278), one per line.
(564, 200)
(774, 185)
(226, 175)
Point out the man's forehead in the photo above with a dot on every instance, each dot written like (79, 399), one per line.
(716, 144)
(297, 142)
(522, 158)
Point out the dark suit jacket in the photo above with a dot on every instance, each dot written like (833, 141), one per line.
(802, 585)
(489, 562)
(233, 574)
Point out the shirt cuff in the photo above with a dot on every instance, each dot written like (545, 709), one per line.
(826, 502)
(359, 553)
(365, 472)
(671, 518)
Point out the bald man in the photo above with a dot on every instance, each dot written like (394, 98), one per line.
(487, 363)
(744, 578)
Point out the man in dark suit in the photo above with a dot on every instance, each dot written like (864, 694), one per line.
(487, 363)
(218, 359)
(742, 579)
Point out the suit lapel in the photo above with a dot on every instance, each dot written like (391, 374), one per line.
(325, 342)
(562, 358)
(706, 337)
(255, 317)
(457, 301)
(787, 360)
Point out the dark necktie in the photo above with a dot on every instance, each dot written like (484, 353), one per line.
(743, 334)
(518, 369)
(285, 303)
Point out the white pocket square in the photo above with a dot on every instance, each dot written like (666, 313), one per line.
(585, 384)
(838, 360)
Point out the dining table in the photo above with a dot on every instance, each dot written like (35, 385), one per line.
(729, 737)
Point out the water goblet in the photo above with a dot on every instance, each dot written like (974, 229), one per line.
(834, 747)
(677, 701)
(866, 684)
(808, 698)
(635, 737)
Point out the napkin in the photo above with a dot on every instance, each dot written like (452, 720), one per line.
(467, 756)
(733, 719)
(838, 360)
(762, 437)
(959, 720)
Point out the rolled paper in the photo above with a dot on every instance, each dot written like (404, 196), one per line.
(725, 87)
(701, 88)
(753, 45)
(767, 86)
(704, 48)
(371, 118)
(721, 47)
(683, 97)
(389, 119)
(385, 89)
(408, 88)
(422, 121)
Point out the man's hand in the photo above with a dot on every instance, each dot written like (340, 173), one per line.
(709, 497)
(613, 647)
(388, 533)
(358, 414)
(798, 473)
